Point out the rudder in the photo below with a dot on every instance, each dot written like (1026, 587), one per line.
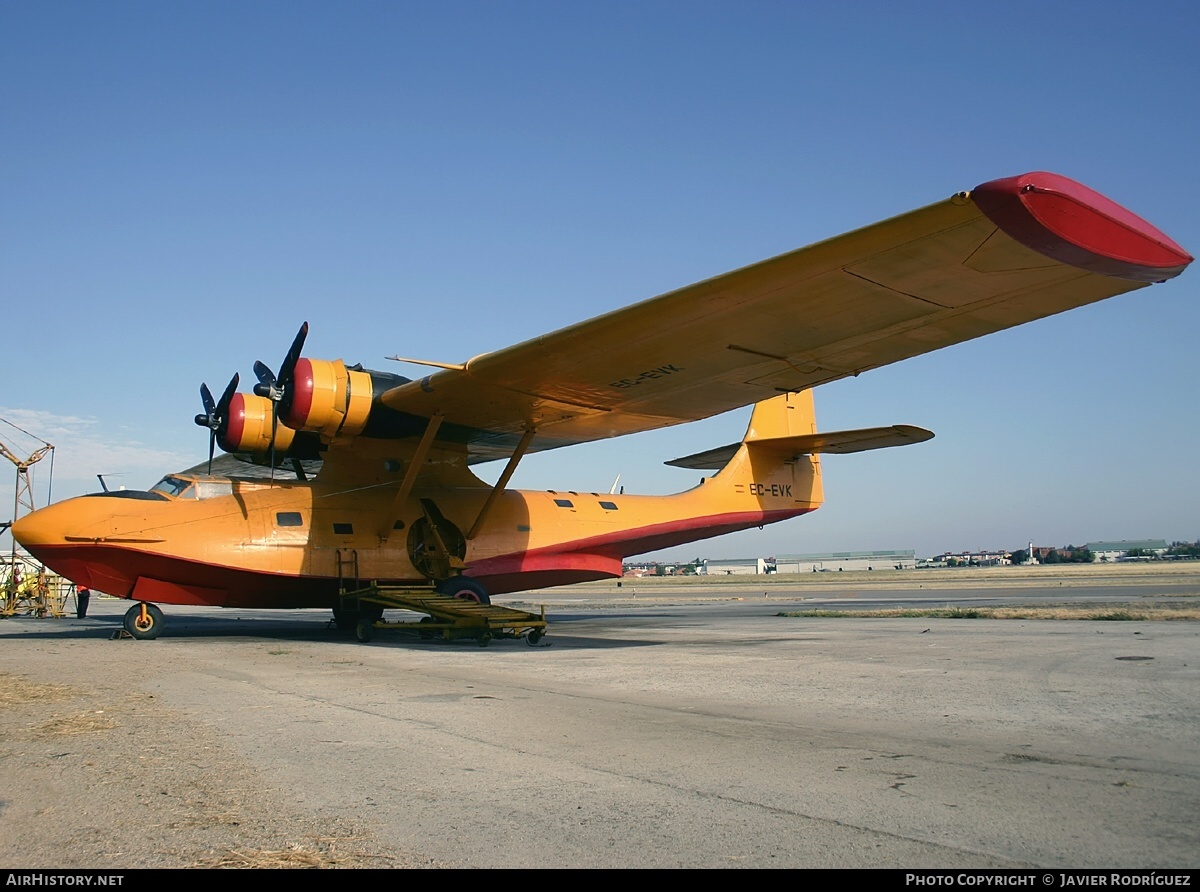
(787, 415)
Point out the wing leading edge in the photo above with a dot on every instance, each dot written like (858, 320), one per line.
(1009, 252)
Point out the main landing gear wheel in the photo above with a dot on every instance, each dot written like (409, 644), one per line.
(464, 587)
(144, 621)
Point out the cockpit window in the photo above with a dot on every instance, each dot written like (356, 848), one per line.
(211, 489)
(184, 488)
(174, 486)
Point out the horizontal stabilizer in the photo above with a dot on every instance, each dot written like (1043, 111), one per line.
(828, 443)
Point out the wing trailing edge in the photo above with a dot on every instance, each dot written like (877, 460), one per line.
(1008, 252)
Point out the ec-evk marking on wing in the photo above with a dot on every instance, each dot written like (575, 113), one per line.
(649, 375)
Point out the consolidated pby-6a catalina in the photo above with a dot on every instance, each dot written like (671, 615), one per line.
(395, 500)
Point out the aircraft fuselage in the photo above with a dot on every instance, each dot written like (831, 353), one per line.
(291, 543)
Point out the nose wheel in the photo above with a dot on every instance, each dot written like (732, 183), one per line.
(144, 621)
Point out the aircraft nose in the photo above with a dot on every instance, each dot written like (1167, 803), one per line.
(46, 526)
(65, 537)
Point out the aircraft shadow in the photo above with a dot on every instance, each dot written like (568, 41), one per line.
(292, 628)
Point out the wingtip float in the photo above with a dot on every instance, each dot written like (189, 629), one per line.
(1068, 222)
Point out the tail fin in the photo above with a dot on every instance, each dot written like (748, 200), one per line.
(770, 466)
(786, 424)
(777, 462)
(780, 418)
(786, 415)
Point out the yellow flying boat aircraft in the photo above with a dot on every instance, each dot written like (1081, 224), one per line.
(395, 500)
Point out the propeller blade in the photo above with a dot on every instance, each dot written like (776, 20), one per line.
(278, 389)
(265, 375)
(288, 369)
(283, 389)
(274, 425)
(216, 414)
(206, 420)
(206, 397)
(227, 397)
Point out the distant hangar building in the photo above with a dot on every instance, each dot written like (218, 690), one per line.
(1115, 551)
(812, 563)
(846, 560)
(734, 567)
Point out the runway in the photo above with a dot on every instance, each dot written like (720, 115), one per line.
(717, 734)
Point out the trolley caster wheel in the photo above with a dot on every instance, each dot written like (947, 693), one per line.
(365, 629)
(485, 639)
(534, 636)
(144, 621)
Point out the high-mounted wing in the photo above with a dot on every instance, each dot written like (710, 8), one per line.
(1010, 251)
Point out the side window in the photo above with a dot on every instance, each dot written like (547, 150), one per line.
(288, 519)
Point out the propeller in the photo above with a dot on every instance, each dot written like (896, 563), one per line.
(277, 390)
(216, 414)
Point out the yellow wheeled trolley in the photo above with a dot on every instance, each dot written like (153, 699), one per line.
(29, 589)
(446, 616)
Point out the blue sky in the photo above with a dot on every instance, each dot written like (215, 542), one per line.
(184, 183)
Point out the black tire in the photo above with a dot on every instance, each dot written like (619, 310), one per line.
(365, 629)
(347, 620)
(464, 587)
(534, 636)
(149, 628)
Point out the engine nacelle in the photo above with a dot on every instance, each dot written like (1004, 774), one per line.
(329, 398)
(248, 428)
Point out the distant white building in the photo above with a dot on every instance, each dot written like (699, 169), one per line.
(976, 558)
(846, 560)
(733, 567)
(1115, 551)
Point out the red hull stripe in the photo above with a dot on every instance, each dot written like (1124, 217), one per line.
(1073, 224)
(502, 574)
(128, 573)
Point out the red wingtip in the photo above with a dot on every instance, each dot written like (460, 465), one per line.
(1073, 224)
